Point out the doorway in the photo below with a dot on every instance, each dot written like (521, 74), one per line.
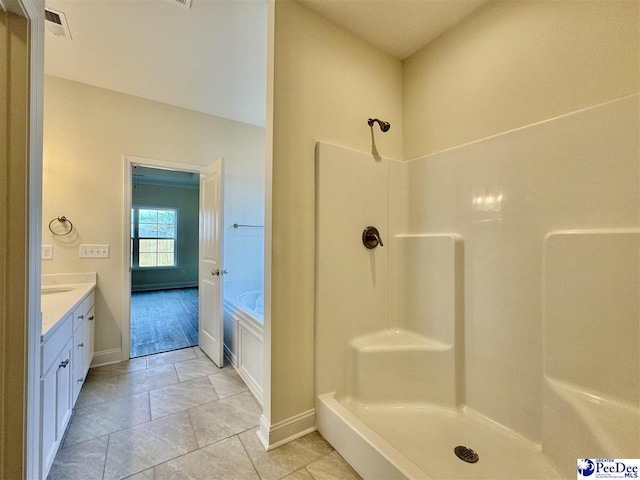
(164, 260)
(142, 220)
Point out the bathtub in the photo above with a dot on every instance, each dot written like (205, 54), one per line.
(243, 337)
(252, 303)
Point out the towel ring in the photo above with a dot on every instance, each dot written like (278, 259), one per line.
(61, 219)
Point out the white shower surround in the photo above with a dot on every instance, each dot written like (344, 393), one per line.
(506, 205)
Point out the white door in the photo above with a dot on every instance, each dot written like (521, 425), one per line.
(211, 327)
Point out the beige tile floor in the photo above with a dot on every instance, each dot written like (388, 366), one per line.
(176, 415)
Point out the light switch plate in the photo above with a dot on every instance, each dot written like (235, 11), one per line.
(47, 252)
(94, 251)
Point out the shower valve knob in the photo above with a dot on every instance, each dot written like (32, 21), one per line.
(371, 238)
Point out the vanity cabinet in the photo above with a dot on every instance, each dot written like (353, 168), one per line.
(83, 321)
(66, 355)
(55, 389)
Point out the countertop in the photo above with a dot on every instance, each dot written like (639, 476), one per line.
(56, 306)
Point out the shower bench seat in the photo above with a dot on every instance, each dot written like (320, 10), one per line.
(398, 366)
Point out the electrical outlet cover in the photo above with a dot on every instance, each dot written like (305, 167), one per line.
(47, 252)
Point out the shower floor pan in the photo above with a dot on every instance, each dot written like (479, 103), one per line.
(416, 442)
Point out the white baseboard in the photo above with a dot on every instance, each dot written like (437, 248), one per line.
(254, 387)
(231, 356)
(273, 436)
(106, 357)
(163, 286)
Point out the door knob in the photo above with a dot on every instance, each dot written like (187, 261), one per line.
(219, 272)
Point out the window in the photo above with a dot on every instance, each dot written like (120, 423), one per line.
(153, 237)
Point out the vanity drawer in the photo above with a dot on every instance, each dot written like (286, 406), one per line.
(54, 345)
(89, 301)
(81, 313)
(77, 317)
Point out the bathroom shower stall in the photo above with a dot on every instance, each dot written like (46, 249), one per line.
(493, 332)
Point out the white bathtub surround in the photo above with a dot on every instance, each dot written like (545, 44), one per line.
(243, 336)
(591, 344)
(502, 312)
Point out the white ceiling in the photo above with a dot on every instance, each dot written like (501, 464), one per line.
(211, 58)
(398, 27)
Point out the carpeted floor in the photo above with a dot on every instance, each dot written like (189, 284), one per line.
(163, 320)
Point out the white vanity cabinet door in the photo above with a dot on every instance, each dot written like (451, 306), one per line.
(55, 390)
(64, 399)
(89, 326)
(79, 348)
(48, 417)
(56, 404)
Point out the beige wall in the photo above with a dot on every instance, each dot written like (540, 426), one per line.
(14, 254)
(327, 83)
(515, 63)
(87, 132)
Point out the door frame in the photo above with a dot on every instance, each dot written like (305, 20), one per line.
(129, 162)
(29, 336)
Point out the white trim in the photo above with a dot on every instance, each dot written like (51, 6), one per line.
(230, 356)
(33, 10)
(268, 224)
(163, 286)
(106, 357)
(274, 436)
(163, 164)
(129, 161)
(254, 388)
(23, 8)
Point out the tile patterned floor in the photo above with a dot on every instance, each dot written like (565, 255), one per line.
(176, 415)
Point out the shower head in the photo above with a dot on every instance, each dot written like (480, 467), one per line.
(384, 126)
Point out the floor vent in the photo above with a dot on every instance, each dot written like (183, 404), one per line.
(466, 454)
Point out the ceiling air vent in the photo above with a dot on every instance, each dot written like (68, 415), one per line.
(57, 23)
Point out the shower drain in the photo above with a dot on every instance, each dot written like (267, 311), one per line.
(466, 454)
